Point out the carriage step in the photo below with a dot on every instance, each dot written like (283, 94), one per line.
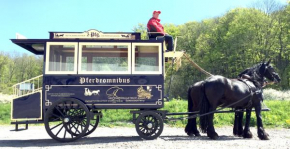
(20, 129)
(17, 123)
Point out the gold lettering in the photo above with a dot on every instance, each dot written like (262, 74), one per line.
(82, 80)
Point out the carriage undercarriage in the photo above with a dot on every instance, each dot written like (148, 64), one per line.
(69, 120)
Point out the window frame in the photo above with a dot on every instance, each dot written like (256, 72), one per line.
(48, 44)
(159, 57)
(128, 44)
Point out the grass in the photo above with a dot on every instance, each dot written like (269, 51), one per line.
(277, 117)
(5, 113)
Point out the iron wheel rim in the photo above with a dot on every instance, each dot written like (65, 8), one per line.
(149, 125)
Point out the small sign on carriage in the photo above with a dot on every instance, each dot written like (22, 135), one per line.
(93, 34)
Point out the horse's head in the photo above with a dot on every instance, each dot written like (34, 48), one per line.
(266, 70)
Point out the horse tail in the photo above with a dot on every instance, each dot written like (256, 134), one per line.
(188, 127)
(189, 100)
(204, 108)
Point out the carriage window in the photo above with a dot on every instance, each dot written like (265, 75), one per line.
(147, 59)
(104, 58)
(61, 58)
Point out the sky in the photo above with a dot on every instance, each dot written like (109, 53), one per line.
(35, 18)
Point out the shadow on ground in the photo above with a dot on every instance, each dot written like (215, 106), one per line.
(100, 140)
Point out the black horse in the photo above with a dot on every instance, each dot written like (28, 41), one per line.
(220, 91)
(238, 120)
(194, 97)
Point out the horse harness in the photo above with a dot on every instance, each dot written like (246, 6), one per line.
(252, 88)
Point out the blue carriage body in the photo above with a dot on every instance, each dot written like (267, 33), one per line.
(118, 71)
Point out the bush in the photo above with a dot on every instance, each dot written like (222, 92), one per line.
(5, 113)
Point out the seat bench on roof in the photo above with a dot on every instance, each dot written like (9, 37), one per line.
(151, 37)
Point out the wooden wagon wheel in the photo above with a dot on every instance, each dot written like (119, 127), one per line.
(67, 120)
(93, 124)
(149, 125)
(94, 121)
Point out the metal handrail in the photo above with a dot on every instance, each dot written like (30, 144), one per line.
(28, 80)
(36, 86)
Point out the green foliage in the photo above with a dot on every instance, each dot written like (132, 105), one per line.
(15, 68)
(279, 114)
(229, 44)
(141, 28)
(5, 113)
(116, 117)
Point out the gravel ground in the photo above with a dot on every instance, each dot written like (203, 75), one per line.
(120, 137)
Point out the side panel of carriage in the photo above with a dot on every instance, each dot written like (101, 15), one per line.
(107, 92)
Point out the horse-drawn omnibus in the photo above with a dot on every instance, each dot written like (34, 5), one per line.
(85, 72)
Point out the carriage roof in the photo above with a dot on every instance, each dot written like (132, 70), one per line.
(36, 46)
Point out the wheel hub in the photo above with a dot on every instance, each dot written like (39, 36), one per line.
(149, 125)
(66, 120)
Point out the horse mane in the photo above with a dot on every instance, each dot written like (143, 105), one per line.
(255, 67)
(251, 70)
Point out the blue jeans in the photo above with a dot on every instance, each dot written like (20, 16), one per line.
(169, 41)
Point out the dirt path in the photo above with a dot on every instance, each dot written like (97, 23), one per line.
(36, 137)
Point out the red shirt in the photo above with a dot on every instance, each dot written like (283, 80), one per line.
(154, 25)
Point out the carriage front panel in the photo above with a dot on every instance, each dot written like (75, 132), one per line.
(107, 92)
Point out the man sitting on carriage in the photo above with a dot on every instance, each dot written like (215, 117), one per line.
(156, 29)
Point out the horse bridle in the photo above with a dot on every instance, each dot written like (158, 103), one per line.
(260, 77)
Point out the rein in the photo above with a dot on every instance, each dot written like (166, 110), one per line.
(220, 109)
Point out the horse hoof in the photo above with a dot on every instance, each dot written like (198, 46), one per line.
(190, 134)
(262, 134)
(235, 133)
(214, 137)
(238, 135)
(248, 135)
(264, 137)
(197, 134)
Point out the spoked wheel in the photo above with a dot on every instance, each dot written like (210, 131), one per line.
(67, 120)
(93, 124)
(149, 125)
(94, 121)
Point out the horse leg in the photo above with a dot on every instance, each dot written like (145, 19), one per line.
(191, 128)
(238, 124)
(188, 127)
(247, 132)
(235, 129)
(261, 132)
(195, 131)
(210, 129)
